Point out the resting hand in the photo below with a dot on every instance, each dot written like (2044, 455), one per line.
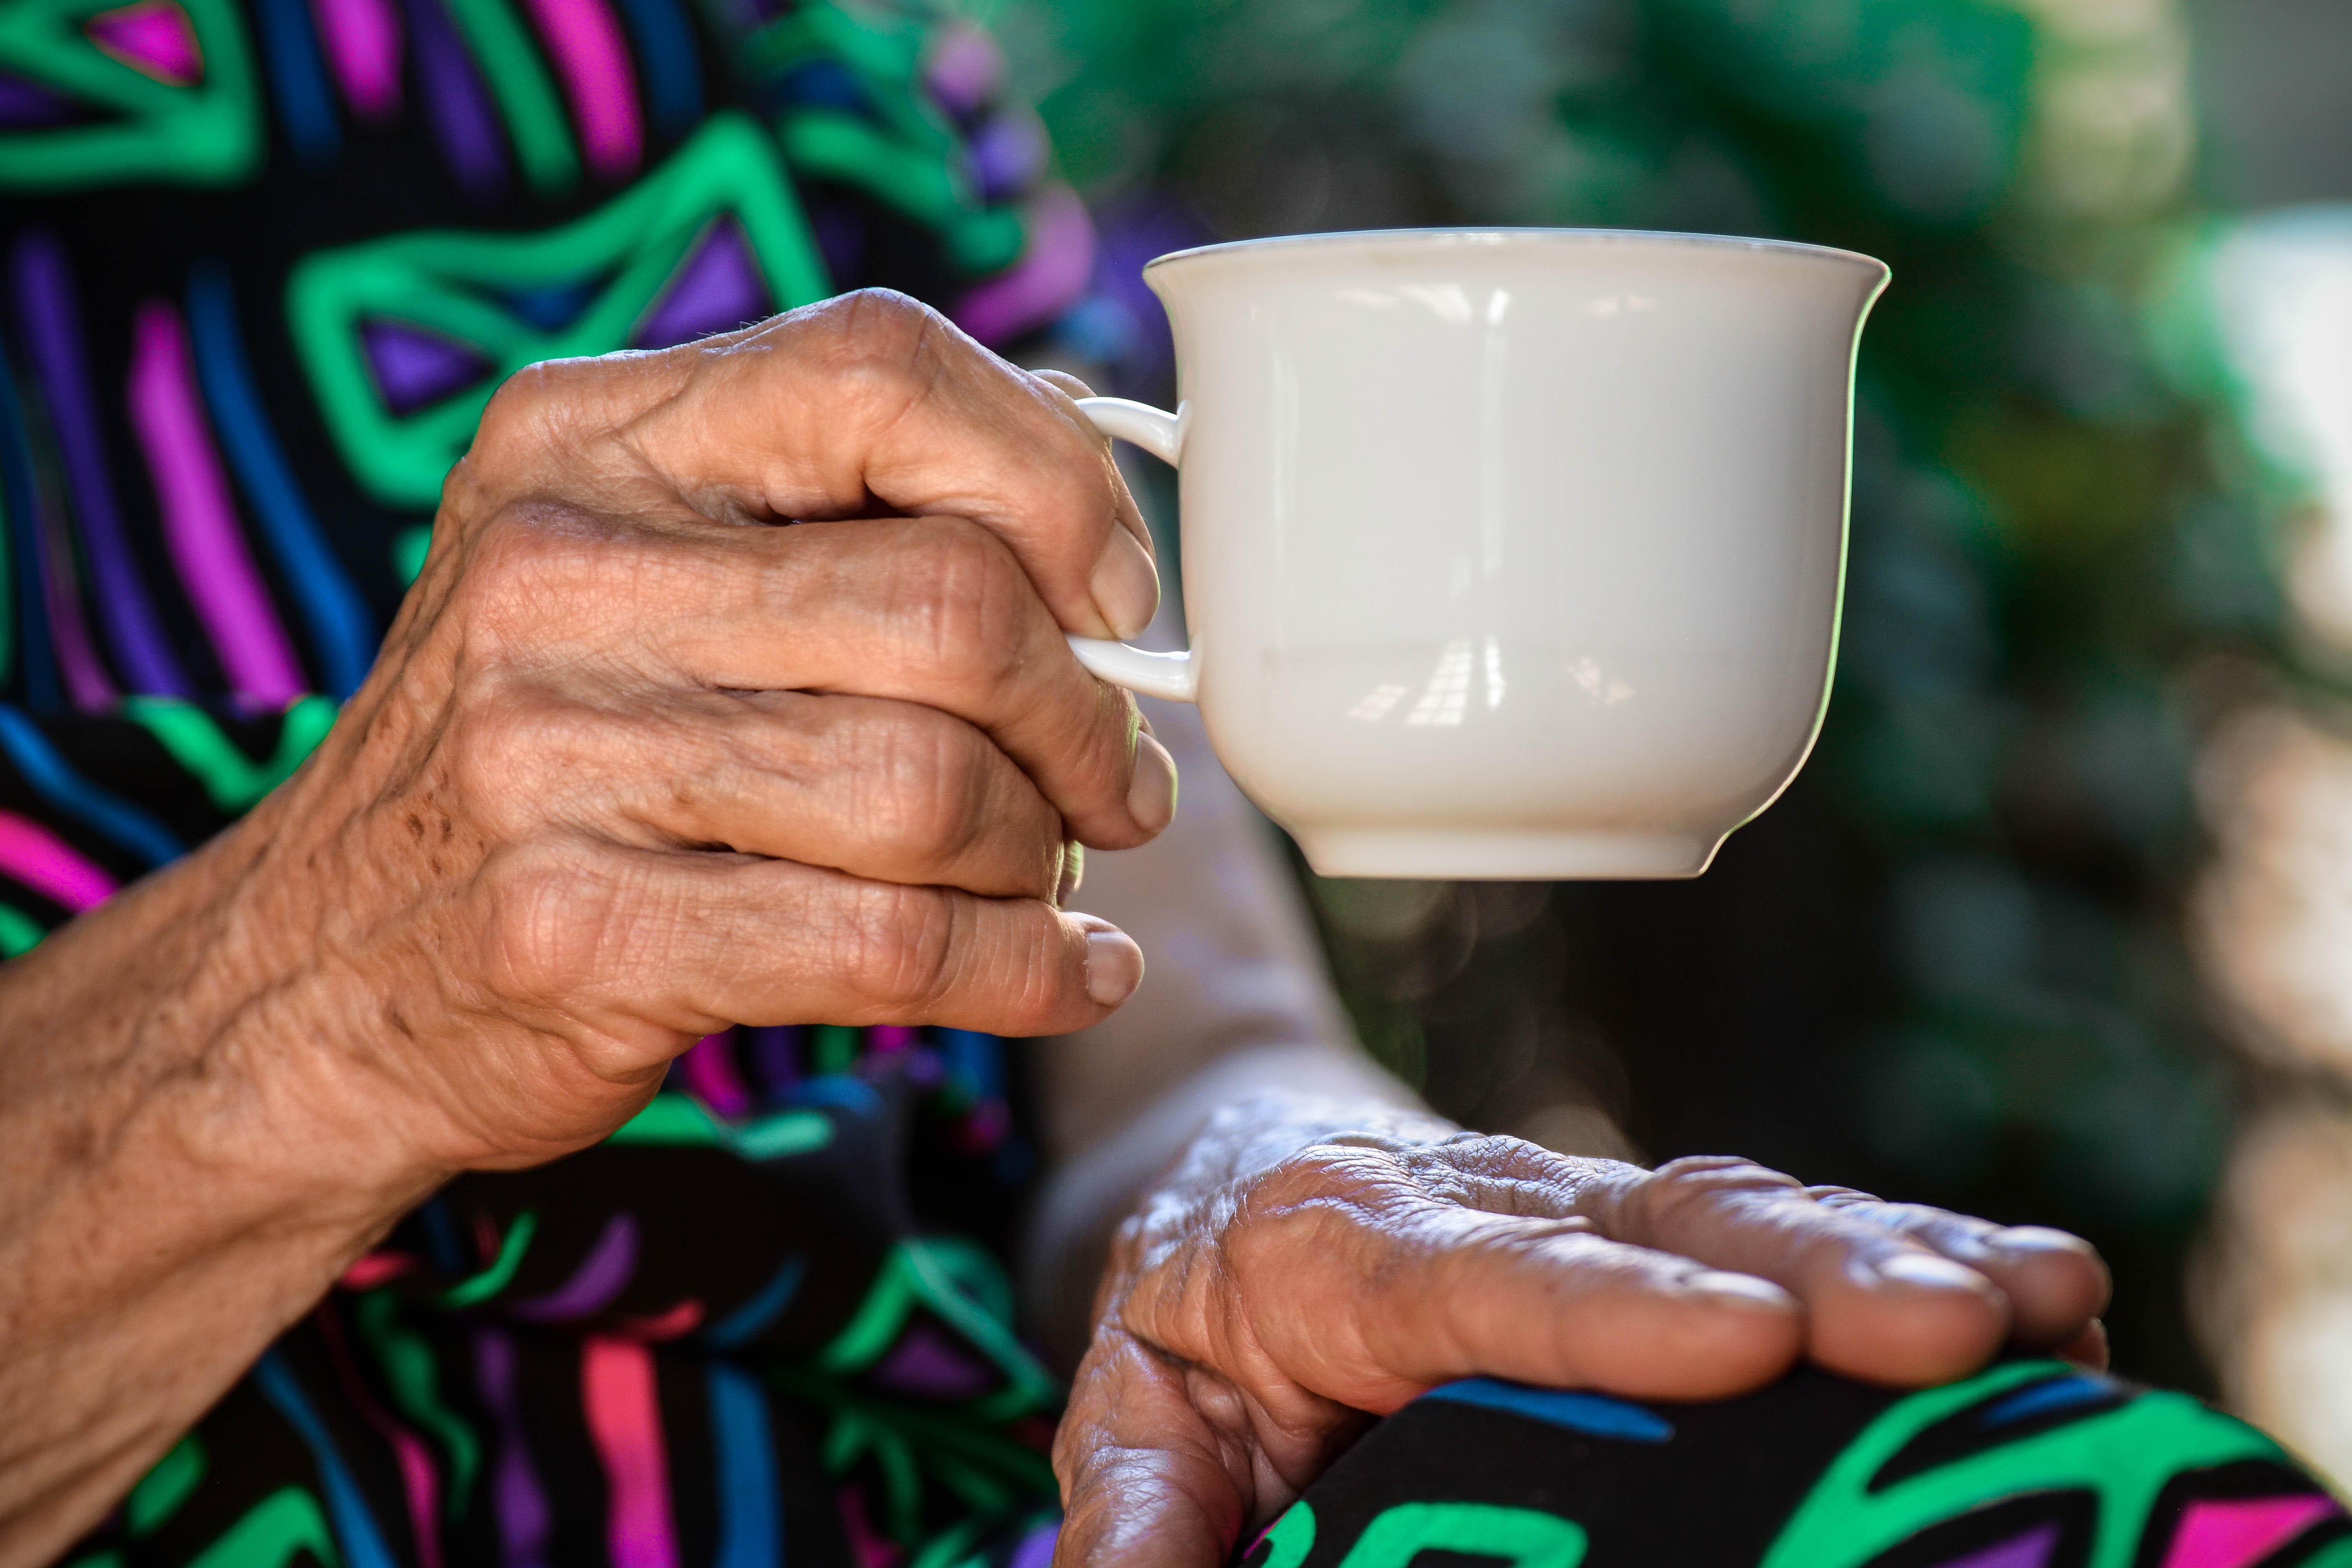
(1288, 1278)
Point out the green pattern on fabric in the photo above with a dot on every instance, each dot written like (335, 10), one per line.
(905, 1440)
(480, 1288)
(235, 781)
(929, 1272)
(286, 1522)
(20, 933)
(1292, 1536)
(2125, 1455)
(413, 1375)
(678, 1121)
(526, 96)
(160, 1493)
(443, 282)
(207, 133)
(833, 1048)
(409, 548)
(908, 154)
(1521, 1536)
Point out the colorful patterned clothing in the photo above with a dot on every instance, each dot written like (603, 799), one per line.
(2028, 1464)
(264, 261)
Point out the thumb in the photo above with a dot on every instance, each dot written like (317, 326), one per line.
(1147, 1481)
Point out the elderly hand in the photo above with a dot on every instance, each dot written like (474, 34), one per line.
(1291, 1276)
(636, 763)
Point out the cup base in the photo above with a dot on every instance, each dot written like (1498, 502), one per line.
(1504, 857)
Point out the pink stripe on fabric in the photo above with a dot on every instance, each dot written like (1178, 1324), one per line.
(199, 521)
(362, 40)
(616, 1390)
(1049, 278)
(418, 1479)
(583, 37)
(47, 865)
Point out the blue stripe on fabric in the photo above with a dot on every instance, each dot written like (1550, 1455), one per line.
(2055, 1394)
(21, 504)
(741, 1326)
(298, 80)
(99, 809)
(976, 1061)
(751, 1526)
(666, 52)
(840, 1091)
(355, 1527)
(343, 632)
(1595, 1414)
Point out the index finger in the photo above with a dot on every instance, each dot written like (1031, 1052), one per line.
(871, 396)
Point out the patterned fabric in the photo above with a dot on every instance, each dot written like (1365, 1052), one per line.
(264, 261)
(2028, 1464)
(261, 264)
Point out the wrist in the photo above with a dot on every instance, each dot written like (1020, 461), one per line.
(181, 1026)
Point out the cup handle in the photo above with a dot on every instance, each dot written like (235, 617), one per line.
(1166, 675)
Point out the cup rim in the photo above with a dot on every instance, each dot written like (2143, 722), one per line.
(1450, 238)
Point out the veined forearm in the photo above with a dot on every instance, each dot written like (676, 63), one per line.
(179, 1186)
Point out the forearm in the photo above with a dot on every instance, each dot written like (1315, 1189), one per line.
(185, 1175)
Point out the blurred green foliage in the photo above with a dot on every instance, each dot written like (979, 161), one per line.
(1949, 963)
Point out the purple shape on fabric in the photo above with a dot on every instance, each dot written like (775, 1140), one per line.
(775, 1057)
(1047, 280)
(1129, 233)
(413, 367)
(599, 1280)
(457, 105)
(712, 1078)
(48, 310)
(965, 71)
(1036, 1548)
(517, 1498)
(2031, 1550)
(151, 37)
(28, 103)
(840, 236)
(718, 288)
(925, 1365)
(1007, 155)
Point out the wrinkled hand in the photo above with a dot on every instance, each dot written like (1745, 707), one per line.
(636, 763)
(1288, 1278)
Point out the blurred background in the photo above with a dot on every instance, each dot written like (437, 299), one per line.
(2057, 924)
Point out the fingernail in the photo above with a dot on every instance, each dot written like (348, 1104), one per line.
(1924, 1270)
(1074, 870)
(1151, 793)
(1742, 1290)
(1114, 967)
(1125, 584)
(2023, 1240)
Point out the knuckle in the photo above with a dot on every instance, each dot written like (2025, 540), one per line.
(897, 945)
(550, 921)
(929, 785)
(971, 602)
(880, 347)
(1679, 1188)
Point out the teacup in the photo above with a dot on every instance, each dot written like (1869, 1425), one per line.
(1506, 554)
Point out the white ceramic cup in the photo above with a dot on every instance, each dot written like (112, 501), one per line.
(1506, 554)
